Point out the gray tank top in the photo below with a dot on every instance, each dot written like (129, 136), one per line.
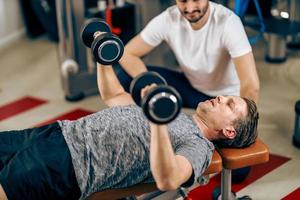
(110, 149)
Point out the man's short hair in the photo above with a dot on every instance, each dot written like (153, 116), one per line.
(245, 127)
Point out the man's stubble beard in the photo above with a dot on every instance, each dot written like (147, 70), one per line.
(204, 11)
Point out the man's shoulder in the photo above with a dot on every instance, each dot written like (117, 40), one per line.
(122, 108)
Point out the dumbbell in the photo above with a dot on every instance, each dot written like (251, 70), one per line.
(106, 47)
(161, 104)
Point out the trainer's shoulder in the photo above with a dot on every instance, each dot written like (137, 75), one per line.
(172, 14)
(221, 14)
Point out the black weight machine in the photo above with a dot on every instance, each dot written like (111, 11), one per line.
(77, 64)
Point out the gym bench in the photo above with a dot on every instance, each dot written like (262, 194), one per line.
(224, 160)
(255, 154)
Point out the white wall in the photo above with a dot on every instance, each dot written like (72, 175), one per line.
(11, 22)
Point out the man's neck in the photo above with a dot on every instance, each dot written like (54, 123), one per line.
(206, 131)
(199, 24)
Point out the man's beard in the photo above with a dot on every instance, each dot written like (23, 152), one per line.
(196, 19)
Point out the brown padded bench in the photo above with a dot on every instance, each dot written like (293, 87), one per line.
(142, 188)
(257, 153)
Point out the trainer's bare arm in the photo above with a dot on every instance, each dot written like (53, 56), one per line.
(131, 60)
(2, 194)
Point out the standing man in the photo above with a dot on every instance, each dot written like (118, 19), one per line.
(210, 45)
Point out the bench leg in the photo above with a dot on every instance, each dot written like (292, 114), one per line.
(226, 193)
(158, 195)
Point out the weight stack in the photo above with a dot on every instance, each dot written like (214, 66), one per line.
(122, 17)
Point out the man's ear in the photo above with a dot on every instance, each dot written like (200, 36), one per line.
(229, 132)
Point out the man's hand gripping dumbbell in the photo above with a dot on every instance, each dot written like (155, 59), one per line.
(162, 103)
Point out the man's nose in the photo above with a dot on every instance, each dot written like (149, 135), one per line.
(221, 99)
(190, 6)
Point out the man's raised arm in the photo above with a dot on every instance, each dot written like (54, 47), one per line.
(111, 91)
(169, 170)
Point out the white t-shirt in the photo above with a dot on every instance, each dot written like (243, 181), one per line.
(204, 55)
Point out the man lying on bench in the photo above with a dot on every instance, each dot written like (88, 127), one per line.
(117, 147)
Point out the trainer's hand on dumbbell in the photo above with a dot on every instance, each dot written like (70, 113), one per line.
(160, 103)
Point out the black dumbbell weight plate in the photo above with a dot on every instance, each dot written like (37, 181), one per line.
(162, 104)
(139, 82)
(90, 27)
(107, 49)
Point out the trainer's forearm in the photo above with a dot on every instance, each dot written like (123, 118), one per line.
(108, 83)
(162, 157)
(250, 92)
(132, 64)
(2, 194)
